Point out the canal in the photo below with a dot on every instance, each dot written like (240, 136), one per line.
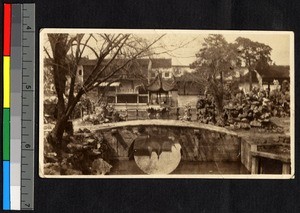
(125, 167)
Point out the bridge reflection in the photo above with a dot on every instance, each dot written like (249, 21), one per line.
(156, 154)
(184, 167)
(159, 146)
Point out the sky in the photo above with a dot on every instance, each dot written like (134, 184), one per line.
(182, 45)
(190, 45)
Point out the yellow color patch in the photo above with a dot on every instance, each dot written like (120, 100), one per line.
(6, 81)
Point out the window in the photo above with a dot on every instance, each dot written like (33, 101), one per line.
(80, 72)
(167, 74)
(128, 98)
(143, 99)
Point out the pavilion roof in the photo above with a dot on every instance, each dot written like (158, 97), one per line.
(159, 84)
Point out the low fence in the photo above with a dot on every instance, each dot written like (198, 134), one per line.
(142, 114)
(272, 158)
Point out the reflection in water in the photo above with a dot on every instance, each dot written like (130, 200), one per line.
(163, 163)
(125, 167)
(210, 168)
(156, 154)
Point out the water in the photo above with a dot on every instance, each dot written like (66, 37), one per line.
(130, 167)
(159, 154)
(158, 161)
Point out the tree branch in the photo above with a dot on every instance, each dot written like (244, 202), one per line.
(107, 65)
(47, 53)
(121, 67)
(102, 55)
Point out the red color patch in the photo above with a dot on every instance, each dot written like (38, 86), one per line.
(7, 30)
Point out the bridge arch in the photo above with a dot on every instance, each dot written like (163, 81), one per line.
(199, 142)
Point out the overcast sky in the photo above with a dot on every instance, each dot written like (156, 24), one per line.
(182, 45)
(190, 44)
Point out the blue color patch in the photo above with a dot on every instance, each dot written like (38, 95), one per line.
(6, 185)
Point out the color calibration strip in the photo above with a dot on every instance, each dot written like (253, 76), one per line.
(15, 108)
(6, 105)
(28, 102)
(18, 106)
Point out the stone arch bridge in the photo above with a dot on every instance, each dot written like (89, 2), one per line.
(199, 142)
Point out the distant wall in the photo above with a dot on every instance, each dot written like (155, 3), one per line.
(184, 99)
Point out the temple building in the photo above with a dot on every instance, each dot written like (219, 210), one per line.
(142, 83)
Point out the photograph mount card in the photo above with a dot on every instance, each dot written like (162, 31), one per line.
(118, 103)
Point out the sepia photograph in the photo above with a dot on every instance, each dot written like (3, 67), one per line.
(118, 103)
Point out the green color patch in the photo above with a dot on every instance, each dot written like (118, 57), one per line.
(6, 133)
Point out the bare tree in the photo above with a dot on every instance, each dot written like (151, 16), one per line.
(65, 56)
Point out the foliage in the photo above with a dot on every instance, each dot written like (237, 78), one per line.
(215, 61)
(86, 153)
(252, 54)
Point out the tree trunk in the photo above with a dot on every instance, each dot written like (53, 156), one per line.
(250, 79)
(219, 113)
(55, 137)
(221, 78)
(219, 104)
